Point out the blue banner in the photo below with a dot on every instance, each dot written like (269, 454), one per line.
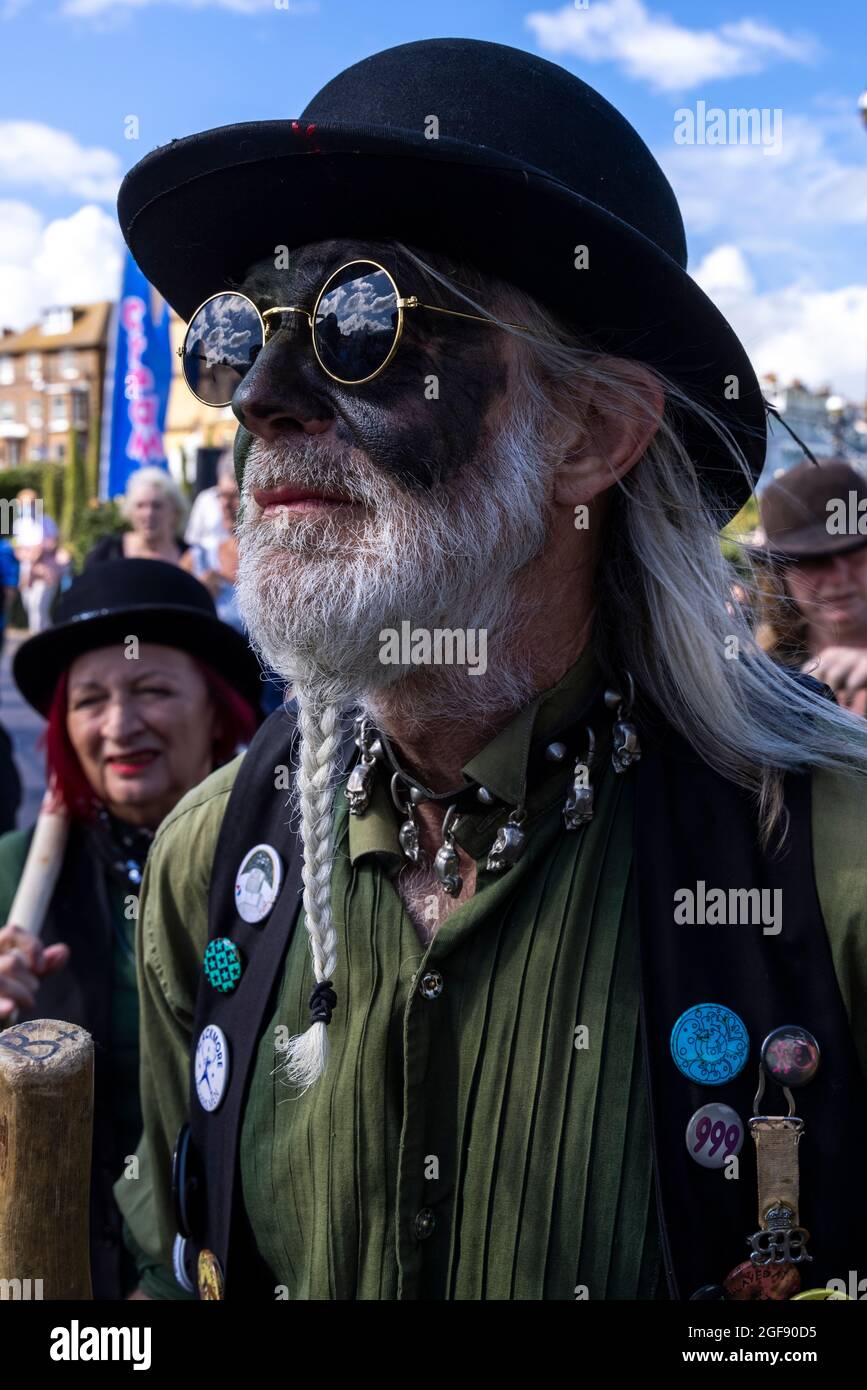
(137, 384)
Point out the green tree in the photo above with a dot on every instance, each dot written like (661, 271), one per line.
(95, 520)
(51, 490)
(91, 471)
(74, 491)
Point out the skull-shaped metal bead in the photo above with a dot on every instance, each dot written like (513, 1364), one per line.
(409, 841)
(359, 784)
(446, 861)
(508, 845)
(626, 748)
(359, 787)
(578, 808)
(446, 866)
(408, 835)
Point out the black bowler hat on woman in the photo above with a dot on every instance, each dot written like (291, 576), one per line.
(529, 164)
(146, 599)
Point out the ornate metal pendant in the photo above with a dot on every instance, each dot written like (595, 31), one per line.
(408, 836)
(626, 748)
(359, 785)
(409, 841)
(446, 862)
(509, 844)
(578, 807)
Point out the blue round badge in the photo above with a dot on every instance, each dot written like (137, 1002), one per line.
(709, 1044)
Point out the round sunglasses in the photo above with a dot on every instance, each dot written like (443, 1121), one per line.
(355, 325)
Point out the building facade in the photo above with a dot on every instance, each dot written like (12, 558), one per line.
(51, 381)
(52, 378)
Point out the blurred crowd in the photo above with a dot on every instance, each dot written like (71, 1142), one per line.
(159, 525)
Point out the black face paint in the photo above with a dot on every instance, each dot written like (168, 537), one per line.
(421, 420)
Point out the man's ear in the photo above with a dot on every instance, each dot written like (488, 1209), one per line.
(617, 406)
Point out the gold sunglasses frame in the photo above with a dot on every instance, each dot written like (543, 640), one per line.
(403, 303)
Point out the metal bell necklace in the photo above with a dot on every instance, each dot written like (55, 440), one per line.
(510, 841)
(407, 792)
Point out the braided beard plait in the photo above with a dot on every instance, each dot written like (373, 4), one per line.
(319, 726)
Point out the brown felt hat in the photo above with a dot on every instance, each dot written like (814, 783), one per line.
(801, 511)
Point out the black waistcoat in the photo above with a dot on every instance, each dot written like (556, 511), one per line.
(80, 914)
(690, 825)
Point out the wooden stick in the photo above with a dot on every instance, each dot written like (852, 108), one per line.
(41, 869)
(46, 1134)
(42, 866)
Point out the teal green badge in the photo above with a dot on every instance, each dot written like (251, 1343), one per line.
(222, 964)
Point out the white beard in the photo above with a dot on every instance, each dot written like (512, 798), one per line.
(316, 590)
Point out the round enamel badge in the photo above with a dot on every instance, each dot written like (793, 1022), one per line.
(714, 1133)
(257, 883)
(212, 1066)
(710, 1044)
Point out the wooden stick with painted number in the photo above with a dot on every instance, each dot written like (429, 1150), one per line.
(46, 1136)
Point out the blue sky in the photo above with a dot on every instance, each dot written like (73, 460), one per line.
(778, 239)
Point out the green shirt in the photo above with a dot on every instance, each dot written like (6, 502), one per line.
(493, 1141)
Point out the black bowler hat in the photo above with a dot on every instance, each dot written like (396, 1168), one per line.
(147, 599)
(529, 164)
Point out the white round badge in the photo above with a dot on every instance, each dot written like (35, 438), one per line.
(714, 1134)
(212, 1066)
(257, 883)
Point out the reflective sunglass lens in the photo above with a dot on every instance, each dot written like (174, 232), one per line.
(356, 320)
(221, 345)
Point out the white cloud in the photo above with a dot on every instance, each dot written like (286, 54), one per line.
(800, 331)
(40, 155)
(20, 228)
(654, 48)
(739, 191)
(725, 275)
(72, 260)
(92, 9)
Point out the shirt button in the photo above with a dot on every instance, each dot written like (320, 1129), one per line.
(425, 1222)
(431, 984)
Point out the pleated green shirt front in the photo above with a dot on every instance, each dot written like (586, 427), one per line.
(481, 1131)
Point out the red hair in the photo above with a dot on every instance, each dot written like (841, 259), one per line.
(234, 715)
